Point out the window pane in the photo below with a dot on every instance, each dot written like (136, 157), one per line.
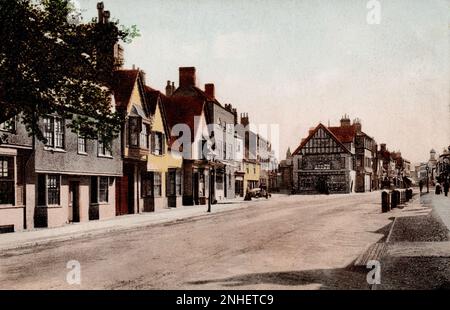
(3, 167)
(157, 143)
(81, 145)
(157, 184)
(144, 137)
(103, 189)
(48, 131)
(53, 189)
(59, 133)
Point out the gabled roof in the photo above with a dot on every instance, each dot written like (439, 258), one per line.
(345, 134)
(199, 92)
(123, 84)
(313, 132)
(182, 110)
(155, 98)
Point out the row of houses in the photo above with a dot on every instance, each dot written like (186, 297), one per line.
(172, 145)
(177, 147)
(436, 169)
(341, 159)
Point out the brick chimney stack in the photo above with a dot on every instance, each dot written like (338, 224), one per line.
(357, 124)
(169, 91)
(100, 9)
(383, 147)
(345, 121)
(187, 77)
(106, 16)
(209, 91)
(244, 119)
(234, 111)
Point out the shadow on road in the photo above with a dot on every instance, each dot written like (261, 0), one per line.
(349, 277)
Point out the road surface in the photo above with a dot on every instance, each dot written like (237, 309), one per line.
(288, 242)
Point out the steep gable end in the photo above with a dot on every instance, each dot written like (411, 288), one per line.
(321, 141)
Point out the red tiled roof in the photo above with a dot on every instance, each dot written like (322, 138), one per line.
(151, 96)
(182, 110)
(345, 134)
(123, 84)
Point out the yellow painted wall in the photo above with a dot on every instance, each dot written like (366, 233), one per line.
(164, 162)
(251, 175)
(135, 99)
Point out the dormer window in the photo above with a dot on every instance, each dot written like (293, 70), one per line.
(134, 128)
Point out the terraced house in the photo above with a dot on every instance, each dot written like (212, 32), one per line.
(152, 176)
(68, 179)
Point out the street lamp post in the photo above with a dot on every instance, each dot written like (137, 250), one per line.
(428, 179)
(210, 184)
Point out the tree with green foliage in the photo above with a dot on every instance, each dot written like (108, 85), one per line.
(51, 65)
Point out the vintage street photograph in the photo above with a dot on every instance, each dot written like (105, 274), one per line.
(212, 145)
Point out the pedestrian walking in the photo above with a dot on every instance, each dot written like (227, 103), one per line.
(421, 185)
(446, 187)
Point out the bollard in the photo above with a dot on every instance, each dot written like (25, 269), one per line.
(385, 202)
(395, 197)
(402, 196)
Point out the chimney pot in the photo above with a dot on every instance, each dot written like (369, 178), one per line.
(106, 16)
(100, 7)
(169, 89)
(187, 77)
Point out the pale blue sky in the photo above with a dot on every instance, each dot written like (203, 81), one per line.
(297, 63)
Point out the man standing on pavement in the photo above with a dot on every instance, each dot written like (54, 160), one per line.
(446, 187)
(421, 185)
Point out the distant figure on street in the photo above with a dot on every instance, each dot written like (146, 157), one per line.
(438, 189)
(446, 187)
(421, 185)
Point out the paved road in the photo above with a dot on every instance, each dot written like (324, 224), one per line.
(292, 242)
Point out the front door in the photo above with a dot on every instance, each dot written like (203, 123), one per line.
(74, 203)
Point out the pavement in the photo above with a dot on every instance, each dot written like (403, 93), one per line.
(418, 251)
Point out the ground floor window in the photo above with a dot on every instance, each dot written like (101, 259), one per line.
(99, 189)
(174, 182)
(151, 183)
(49, 189)
(7, 180)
